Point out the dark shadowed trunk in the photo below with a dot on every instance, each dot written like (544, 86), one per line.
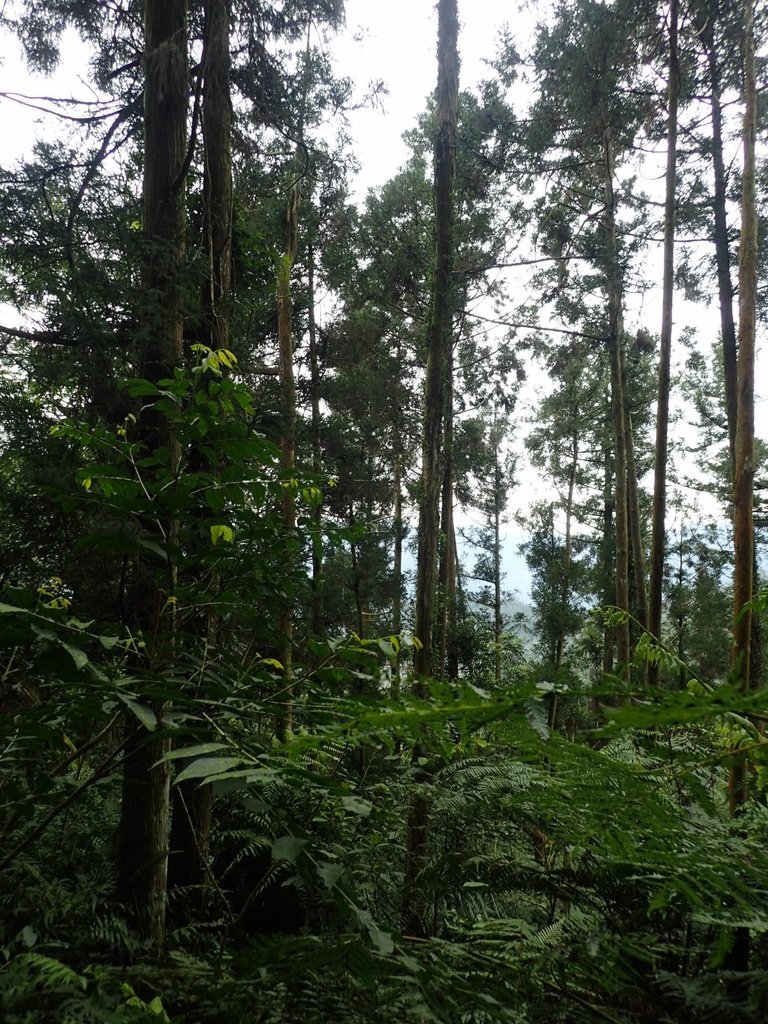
(565, 582)
(743, 530)
(317, 455)
(447, 575)
(287, 438)
(498, 622)
(193, 803)
(722, 249)
(607, 558)
(640, 593)
(144, 813)
(439, 344)
(658, 533)
(615, 341)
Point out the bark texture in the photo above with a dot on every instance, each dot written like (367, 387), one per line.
(439, 343)
(615, 342)
(439, 339)
(743, 488)
(192, 803)
(144, 815)
(658, 532)
(722, 248)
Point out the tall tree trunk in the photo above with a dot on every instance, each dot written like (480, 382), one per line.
(317, 455)
(439, 343)
(397, 524)
(397, 563)
(722, 249)
(288, 394)
(633, 509)
(356, 573)
(725, 291)
(217, 171)
(681, 672)
(144, 812)
(658, 532)
(447, 575)
(193, 803)
(615, 342)
(287, 441)
(452, 653)
(498, 622)
(743, 530)
(607, 557)
(565, 582)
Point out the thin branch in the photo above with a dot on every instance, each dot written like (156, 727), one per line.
(519, 263)
(536, 327)
(45, 337)
(101, 772)
(93, 167)
(23, 101)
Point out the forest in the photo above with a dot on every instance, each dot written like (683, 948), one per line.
(276, 744)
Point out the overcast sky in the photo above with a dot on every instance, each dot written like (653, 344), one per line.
(396, 42)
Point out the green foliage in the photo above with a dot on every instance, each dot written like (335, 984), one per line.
(581, 865)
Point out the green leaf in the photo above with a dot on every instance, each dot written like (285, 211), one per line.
(215, 499)
(108, 642)
(356, 805)
(382, 940)
(150, 545)
(272, 663)
(156, 1007)
(79, 657)
(330, 873)
(388, 649)
(536, 714)
(203, 767)
(143, 712)
(6, 609)
(139, 388)
(288, 848)
(28, 936)
(193, 751)
(221, 532)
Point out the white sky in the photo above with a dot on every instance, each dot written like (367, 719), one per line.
(398, 45)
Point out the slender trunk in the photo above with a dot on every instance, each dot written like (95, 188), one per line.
(725, 290)
(356, 576)
(287, 383)
(439, 339)
(722, 249)
(447, 575)
(452, 654)
(682, 674)
(615, 342)
(565, 583)
(397, 520)
(145, 808)
(397, 566)
(607, 557)
(743, 530)
(439, 347)
(287, 446)
(317, 456)
(192, 803)
(498, 625)
(633, 508)
(217, 171)
(658, 532)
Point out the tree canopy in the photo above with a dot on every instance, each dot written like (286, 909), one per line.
(282, 737)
